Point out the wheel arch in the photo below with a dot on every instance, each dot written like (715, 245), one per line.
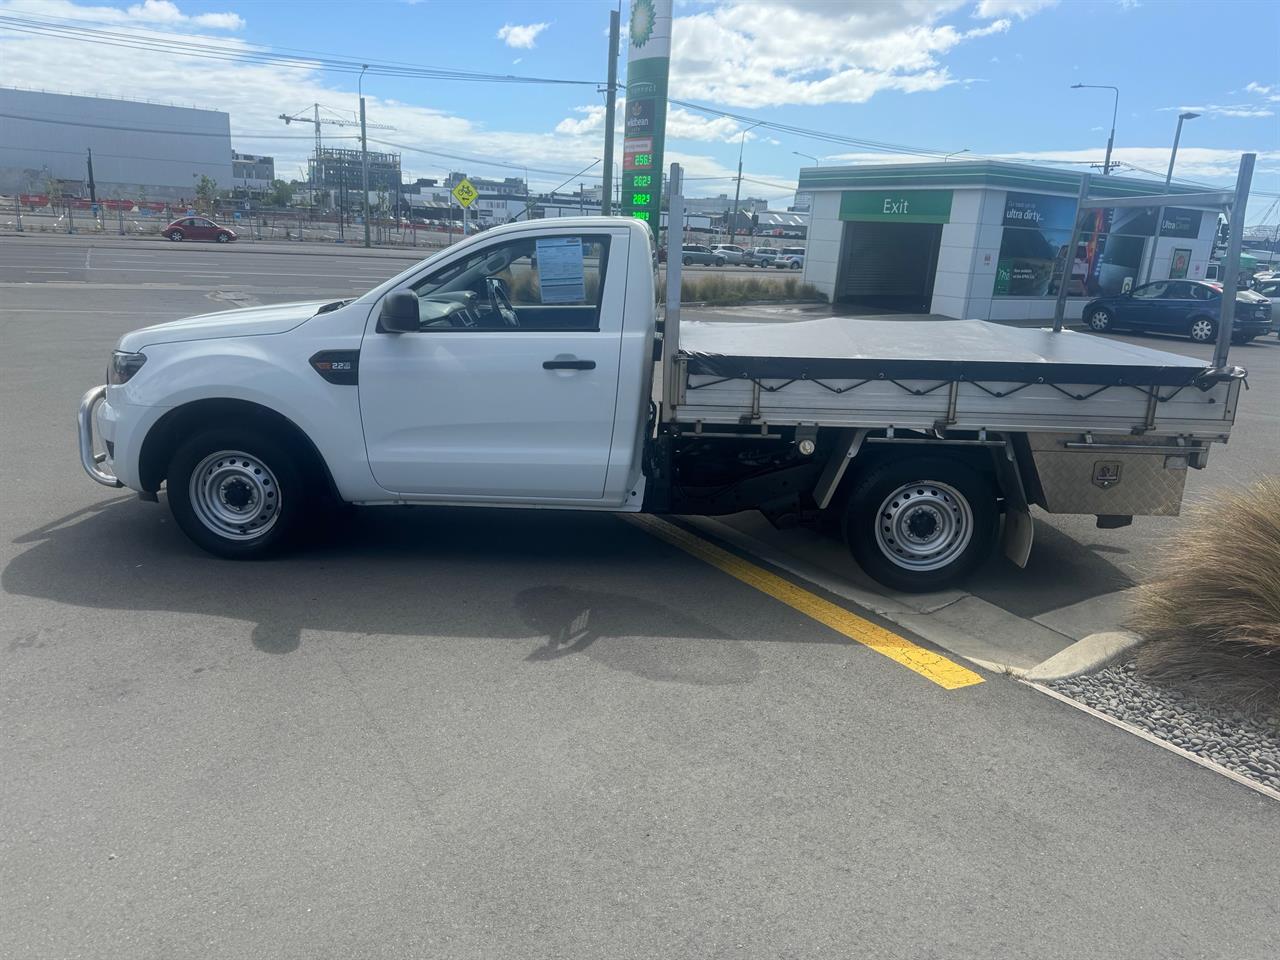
(182, 421)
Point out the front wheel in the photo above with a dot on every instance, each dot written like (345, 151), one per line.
(175, 235)
(795, 265)
(1203, 330)
(224, 237)
(1099, 320)
(237, 492)
(919, 524)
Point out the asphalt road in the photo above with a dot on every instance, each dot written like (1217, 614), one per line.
(523, 734)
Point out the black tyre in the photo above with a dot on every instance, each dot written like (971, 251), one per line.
(1240, 340)
(224, 237)
(719, 261)
(238, 492)
(175, 234)
(795, 265)
(1099, 319)
(920, 523)
(1203, 330)
(686, 261)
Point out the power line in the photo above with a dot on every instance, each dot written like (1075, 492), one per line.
(262, 56)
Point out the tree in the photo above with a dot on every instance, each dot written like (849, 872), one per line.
(281, 193)
(206, 194)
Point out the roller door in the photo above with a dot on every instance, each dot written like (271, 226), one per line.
(888, 266)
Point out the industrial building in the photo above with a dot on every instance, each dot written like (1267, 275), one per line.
(338, 175)
(140, 150)
(988, 240)
(251, 174)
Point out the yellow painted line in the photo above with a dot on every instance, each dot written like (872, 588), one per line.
(933, 666)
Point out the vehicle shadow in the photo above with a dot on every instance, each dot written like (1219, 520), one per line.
(561, 584)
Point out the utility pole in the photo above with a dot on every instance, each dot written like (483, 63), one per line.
(1231, 263)
(364, 155)
(93, 188)
(610, 108)
(737, 190)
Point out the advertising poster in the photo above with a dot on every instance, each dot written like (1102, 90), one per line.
(1178, 264)
(1033, 247)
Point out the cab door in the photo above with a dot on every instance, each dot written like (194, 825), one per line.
(508, 391)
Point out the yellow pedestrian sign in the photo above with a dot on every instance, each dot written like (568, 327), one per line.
(465, 192)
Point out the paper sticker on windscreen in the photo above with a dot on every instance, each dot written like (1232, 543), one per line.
(560, 273)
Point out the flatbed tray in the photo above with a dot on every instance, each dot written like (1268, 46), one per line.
(832, 348)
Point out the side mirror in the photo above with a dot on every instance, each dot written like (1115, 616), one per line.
(400, 313)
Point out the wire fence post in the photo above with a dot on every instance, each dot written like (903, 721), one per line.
(17, 210)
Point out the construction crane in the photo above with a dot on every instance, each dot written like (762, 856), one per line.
(316, 120)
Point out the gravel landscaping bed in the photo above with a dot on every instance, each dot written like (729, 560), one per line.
(1245, 743)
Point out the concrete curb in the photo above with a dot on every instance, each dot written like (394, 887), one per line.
(1085, 656)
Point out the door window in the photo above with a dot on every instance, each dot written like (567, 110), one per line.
(1152, 291)
(1179, 291)
(551, 282)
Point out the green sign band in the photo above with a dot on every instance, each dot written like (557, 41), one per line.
(644, 120)
(898, 206)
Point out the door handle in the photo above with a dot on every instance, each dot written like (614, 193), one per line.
(568, 364)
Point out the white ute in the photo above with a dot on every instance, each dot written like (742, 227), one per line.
(517, 369)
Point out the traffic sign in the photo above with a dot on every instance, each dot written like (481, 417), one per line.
(465, 192)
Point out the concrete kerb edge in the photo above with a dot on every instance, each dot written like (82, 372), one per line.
(1086, 655)
(1152, 738)
(313, 248)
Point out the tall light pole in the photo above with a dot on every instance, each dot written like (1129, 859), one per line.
(737, 191)
(1115, 107)
(808, 156)
(364, 153)
(1177, 135)
(1173, 154)
(954, 153)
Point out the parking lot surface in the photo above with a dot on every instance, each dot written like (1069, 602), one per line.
(472, 733)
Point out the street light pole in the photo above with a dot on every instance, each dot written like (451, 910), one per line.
(737, 190)
(1168, 177)
(1115, 107)
(364, 154)
(808, 156)
(954, 153)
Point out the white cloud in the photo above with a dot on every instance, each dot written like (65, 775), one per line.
(1237, 110)
(682, 124)
(1011, 8)
(1270, 93)
(521, 35)
(763, 53)
(158, 13)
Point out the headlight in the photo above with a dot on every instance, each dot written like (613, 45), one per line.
(123, 366)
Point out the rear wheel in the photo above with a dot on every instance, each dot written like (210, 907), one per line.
(920, 523)
(1241, 339)
(1203, 330)
(175, 234)
(1099, 319)
(237, 492)
(686, 261)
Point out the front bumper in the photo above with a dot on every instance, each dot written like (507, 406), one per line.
(91, 461)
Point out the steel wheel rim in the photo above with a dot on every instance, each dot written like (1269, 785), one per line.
(1099, 320)
(235, 495)
(924, 526)
(1201, 330)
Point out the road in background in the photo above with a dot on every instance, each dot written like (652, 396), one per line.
(521, 733)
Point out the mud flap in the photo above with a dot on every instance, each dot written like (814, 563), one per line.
(1019, 534)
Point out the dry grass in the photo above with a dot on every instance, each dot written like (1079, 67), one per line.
(1213, 615)
(721, 291)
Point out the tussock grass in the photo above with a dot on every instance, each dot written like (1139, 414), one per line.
(723, 291)
(1212, 615)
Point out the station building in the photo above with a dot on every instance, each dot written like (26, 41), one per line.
(988, 240)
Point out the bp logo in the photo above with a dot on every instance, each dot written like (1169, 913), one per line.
(642, 20)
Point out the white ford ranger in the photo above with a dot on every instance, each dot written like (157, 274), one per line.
(517, 368)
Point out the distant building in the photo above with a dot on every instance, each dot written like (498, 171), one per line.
(338, 177)
(722, 203)
(251, 174)
(140, 150)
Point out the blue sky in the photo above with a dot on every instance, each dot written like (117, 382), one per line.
(992, 76)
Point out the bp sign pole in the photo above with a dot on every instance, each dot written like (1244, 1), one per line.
(645, 119)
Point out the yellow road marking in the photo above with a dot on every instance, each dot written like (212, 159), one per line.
(945, 673)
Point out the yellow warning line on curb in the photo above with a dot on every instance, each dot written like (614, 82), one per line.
(945, 673)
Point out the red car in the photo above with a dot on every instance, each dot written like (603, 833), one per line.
(199, 228)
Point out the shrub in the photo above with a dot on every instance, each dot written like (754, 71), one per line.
(1212, 614)
(725, 290)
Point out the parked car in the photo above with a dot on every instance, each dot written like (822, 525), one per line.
(764, 256)
(733, 254)
(199, 228)
(692, 253)
(1189, 307)
(790, 258)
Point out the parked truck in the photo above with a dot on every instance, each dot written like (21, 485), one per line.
(527, 367)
